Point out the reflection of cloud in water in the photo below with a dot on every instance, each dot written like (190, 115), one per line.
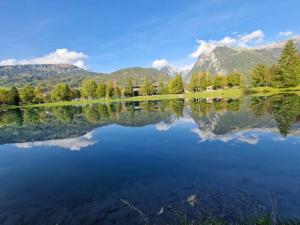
(162, 126)
(279, 139)
(73, 144)
(241, 136)
(249, 136)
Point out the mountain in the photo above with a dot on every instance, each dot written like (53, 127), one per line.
(50, 74)
(225, 60)
(138, 74)
(46, 70)
(170, 70)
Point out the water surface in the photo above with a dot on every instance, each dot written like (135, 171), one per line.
(93, 164)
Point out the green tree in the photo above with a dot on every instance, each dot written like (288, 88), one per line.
(162, 89)
(234, 80)
(205, 81)
(147, 88)
(259, 76)
(27, 94)
(101, 90)
(288, 67)
(194, 84)
(219, 82)
(89, 89)
(116, 91)
(176, 85)
(129, 88)
(271, 75)
(38, 95)
(14, 96)
(4, 97)
(75, 93)
(200, 81)
(109, 90)
(61, 92)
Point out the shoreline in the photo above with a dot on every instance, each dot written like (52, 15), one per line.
(228, 93)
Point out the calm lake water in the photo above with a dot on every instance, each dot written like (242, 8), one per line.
(140, 162)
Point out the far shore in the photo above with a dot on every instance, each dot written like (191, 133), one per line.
(227, 93)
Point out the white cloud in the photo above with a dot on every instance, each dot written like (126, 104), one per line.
(287, 33)
(206, 47)
(228, 41)
(256, 36)
(60, 56)
(73, 144)
(8, 62)
(160, 63)
(165, 65)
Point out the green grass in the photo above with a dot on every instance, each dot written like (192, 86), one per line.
(229, 93)
(266, 91)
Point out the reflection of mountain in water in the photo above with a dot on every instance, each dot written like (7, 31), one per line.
(218, 119)
(235, 119)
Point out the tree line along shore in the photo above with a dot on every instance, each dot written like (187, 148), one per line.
(285, 74)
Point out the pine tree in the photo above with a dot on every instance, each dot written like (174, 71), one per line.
(161, 87)
(259, 76)
(288, 67)
(14, 98)
(176, 85)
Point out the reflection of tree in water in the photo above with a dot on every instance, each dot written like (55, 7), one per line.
(259, 106)
(203, 107)
(233, 105)
(149, 106)
(129, 107)
(176, 106)
(220, 105)
(285, 109)
(91, 113)
(66, 113)
(11, 117)
(103, 111)
(31, 116)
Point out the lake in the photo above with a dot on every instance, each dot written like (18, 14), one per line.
(151, 162)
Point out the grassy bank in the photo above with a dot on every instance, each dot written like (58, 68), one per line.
(229, 93)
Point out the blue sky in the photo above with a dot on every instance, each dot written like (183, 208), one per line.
(114, 34)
